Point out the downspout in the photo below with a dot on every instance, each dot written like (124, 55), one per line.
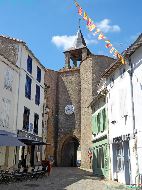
(132, 95)
(18, 88)
(18, 152)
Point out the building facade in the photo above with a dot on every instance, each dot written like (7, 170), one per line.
(100, 149)
(8, 110)
(29, 98)
(123, 108)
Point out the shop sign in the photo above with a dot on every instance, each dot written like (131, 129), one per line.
(121, 138)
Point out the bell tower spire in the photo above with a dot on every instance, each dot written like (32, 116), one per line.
(78, 52)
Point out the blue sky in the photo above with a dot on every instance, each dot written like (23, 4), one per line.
(49, 26)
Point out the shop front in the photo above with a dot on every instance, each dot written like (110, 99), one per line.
(121, 159)
(31, 153)
(101, 157)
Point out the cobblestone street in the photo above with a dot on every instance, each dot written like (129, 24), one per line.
(65, 179)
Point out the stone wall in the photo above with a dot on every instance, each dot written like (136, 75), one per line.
(68, 94)
(9, 49)
(90, 72)
(51, 112)
(86, 98)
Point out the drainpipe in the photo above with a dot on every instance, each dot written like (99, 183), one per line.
(133, 113)
(18, 88)
(132, 95)
(19, 149)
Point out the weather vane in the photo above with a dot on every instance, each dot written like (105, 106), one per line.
(79, 22)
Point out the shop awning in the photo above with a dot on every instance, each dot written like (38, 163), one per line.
(28, 141)
(8, 139)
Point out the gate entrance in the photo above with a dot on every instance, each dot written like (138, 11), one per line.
(69, 152)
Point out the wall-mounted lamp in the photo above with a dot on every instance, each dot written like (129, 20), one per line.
(113, 122)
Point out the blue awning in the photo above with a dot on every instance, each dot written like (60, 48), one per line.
(9, 139)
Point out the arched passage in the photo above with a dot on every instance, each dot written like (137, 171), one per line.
(69, 152)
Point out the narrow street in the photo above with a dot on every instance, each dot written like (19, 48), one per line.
(65, 179)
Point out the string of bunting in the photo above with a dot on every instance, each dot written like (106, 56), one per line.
(96, 31)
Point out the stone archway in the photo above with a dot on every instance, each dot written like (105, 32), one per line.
(69, 152)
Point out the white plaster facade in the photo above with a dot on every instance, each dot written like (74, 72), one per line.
(23, 101)
(136, 60)
(13, 99)
(124, 92)
(8, 107)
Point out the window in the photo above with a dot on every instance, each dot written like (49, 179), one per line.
(26, 119)
(28, 87)
(29, 64)
(37, 96)
(38, 74)
(120, 157)
(36, 118)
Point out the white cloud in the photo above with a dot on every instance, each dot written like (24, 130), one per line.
(105, 26)
(64, 42)
(67, 42)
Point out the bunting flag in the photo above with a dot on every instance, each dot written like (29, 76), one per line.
(101, 36)
(89, 22)
(76, 4)
(97, 31)
(108, 45)
(112, 49)
(115, 53)
(80, 11)
(107, 41)
(91, 26)
(85, 17)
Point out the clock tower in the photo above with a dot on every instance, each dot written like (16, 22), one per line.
(69, 106)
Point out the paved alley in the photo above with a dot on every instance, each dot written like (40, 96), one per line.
(65, 179)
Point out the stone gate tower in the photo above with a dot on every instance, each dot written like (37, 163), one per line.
(69, 103)
(71, 92)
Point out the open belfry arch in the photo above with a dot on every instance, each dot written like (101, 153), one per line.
(77, 53)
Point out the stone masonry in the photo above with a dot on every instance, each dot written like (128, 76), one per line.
(90, 73)
(68, 94)
(51, 112)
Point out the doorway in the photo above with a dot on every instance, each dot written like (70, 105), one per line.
(69, 152)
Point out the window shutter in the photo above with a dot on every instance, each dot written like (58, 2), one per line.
(101, 121)
(94, 124)
(98, 122)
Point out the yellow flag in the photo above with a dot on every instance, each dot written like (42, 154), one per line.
(85, 17)
(91, 27)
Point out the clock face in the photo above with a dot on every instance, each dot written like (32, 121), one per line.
(69, 109)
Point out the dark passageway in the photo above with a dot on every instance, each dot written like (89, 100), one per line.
(69, 152)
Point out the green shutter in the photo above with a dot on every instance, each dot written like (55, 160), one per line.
(101, 121)
(98, 122)
(94, 124)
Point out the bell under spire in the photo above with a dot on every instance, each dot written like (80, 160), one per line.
(78, 51)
